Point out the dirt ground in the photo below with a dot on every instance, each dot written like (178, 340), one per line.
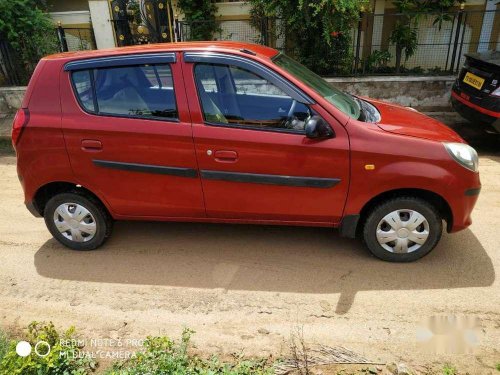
(245, 289)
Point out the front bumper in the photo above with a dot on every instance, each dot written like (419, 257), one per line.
(462, 207)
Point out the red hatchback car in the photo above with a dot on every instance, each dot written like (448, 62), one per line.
(233, 133)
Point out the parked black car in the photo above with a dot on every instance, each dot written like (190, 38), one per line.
(476, 92)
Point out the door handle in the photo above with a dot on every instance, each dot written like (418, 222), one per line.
(224, 156)
(91, 145)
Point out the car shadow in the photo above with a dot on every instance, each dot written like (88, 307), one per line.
(262, 258)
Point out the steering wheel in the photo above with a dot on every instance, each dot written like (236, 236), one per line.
(292, 109)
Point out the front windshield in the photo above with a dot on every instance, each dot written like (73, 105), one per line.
(342, 101)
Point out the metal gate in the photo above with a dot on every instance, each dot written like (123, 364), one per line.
(142, 21)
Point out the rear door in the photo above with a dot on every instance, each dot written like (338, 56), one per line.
(128, 134)
(254, 159)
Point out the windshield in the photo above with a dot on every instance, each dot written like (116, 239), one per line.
(342, 101)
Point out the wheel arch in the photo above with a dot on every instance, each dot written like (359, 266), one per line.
(433, 198)
(51, 189)
(352, 225)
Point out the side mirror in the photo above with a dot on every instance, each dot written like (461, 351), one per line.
(317, 128)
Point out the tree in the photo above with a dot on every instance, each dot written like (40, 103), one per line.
(29, 31)
(317, 33)
(404, 35)
(200, 15)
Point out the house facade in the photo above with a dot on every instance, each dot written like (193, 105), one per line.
(103, 24)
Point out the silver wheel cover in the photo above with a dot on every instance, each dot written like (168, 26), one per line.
(75, 222)
(402, 231)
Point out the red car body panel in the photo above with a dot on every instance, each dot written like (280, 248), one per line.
(62, 140)
(263, 152)
(401, 120)
(121, 138)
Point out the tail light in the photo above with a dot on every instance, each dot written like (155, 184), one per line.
(20, 122)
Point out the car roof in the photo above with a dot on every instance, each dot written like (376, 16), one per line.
(212, 46)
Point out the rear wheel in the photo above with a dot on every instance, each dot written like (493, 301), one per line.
(402, 229)
(77, 221)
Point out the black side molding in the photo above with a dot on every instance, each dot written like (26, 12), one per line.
(349, 226)
(472, 192)
(146, 168)
(271, 179)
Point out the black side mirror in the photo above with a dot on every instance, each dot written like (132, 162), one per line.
(317, 128)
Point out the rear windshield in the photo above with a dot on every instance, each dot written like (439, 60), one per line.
(339, 99)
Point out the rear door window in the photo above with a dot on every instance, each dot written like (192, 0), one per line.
(144, 91)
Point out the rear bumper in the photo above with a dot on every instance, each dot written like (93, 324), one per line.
(473, 112)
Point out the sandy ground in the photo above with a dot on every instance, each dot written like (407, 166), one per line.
(246, 288)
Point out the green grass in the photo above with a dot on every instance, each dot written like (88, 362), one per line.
(498, 366)
(158, 356)
(164, 356)
(60, 360)
(4, 344)
(449, 370)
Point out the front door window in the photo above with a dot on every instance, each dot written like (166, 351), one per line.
(230, 95)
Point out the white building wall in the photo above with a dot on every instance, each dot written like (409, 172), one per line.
(71, 18)
(101, 22)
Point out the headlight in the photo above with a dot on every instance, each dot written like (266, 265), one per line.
(464, 155)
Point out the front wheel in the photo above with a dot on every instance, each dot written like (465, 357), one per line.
(77, 221)
(402, 229)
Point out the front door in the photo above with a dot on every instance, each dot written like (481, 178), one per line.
(128, 135)
(255, 162)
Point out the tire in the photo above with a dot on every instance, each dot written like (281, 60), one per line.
(86, 234)
(382, 223)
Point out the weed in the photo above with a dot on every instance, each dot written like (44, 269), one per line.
(449, 370)
(58, 359)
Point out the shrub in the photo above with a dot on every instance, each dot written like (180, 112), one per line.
(316, 33)
(200, 15)
(60, 359)
(164, 356)
(29, 31)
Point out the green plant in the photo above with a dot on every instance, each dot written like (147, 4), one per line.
(200, 16)
(60, 360)
(449, 370)
(376, 60)
(498, 366)
(437, 70)
(4, 344)
(29, 30)
(164, 356)
(316, 33)
(404, 35)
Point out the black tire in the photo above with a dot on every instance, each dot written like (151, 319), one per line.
(402, 203)
(103, 221)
